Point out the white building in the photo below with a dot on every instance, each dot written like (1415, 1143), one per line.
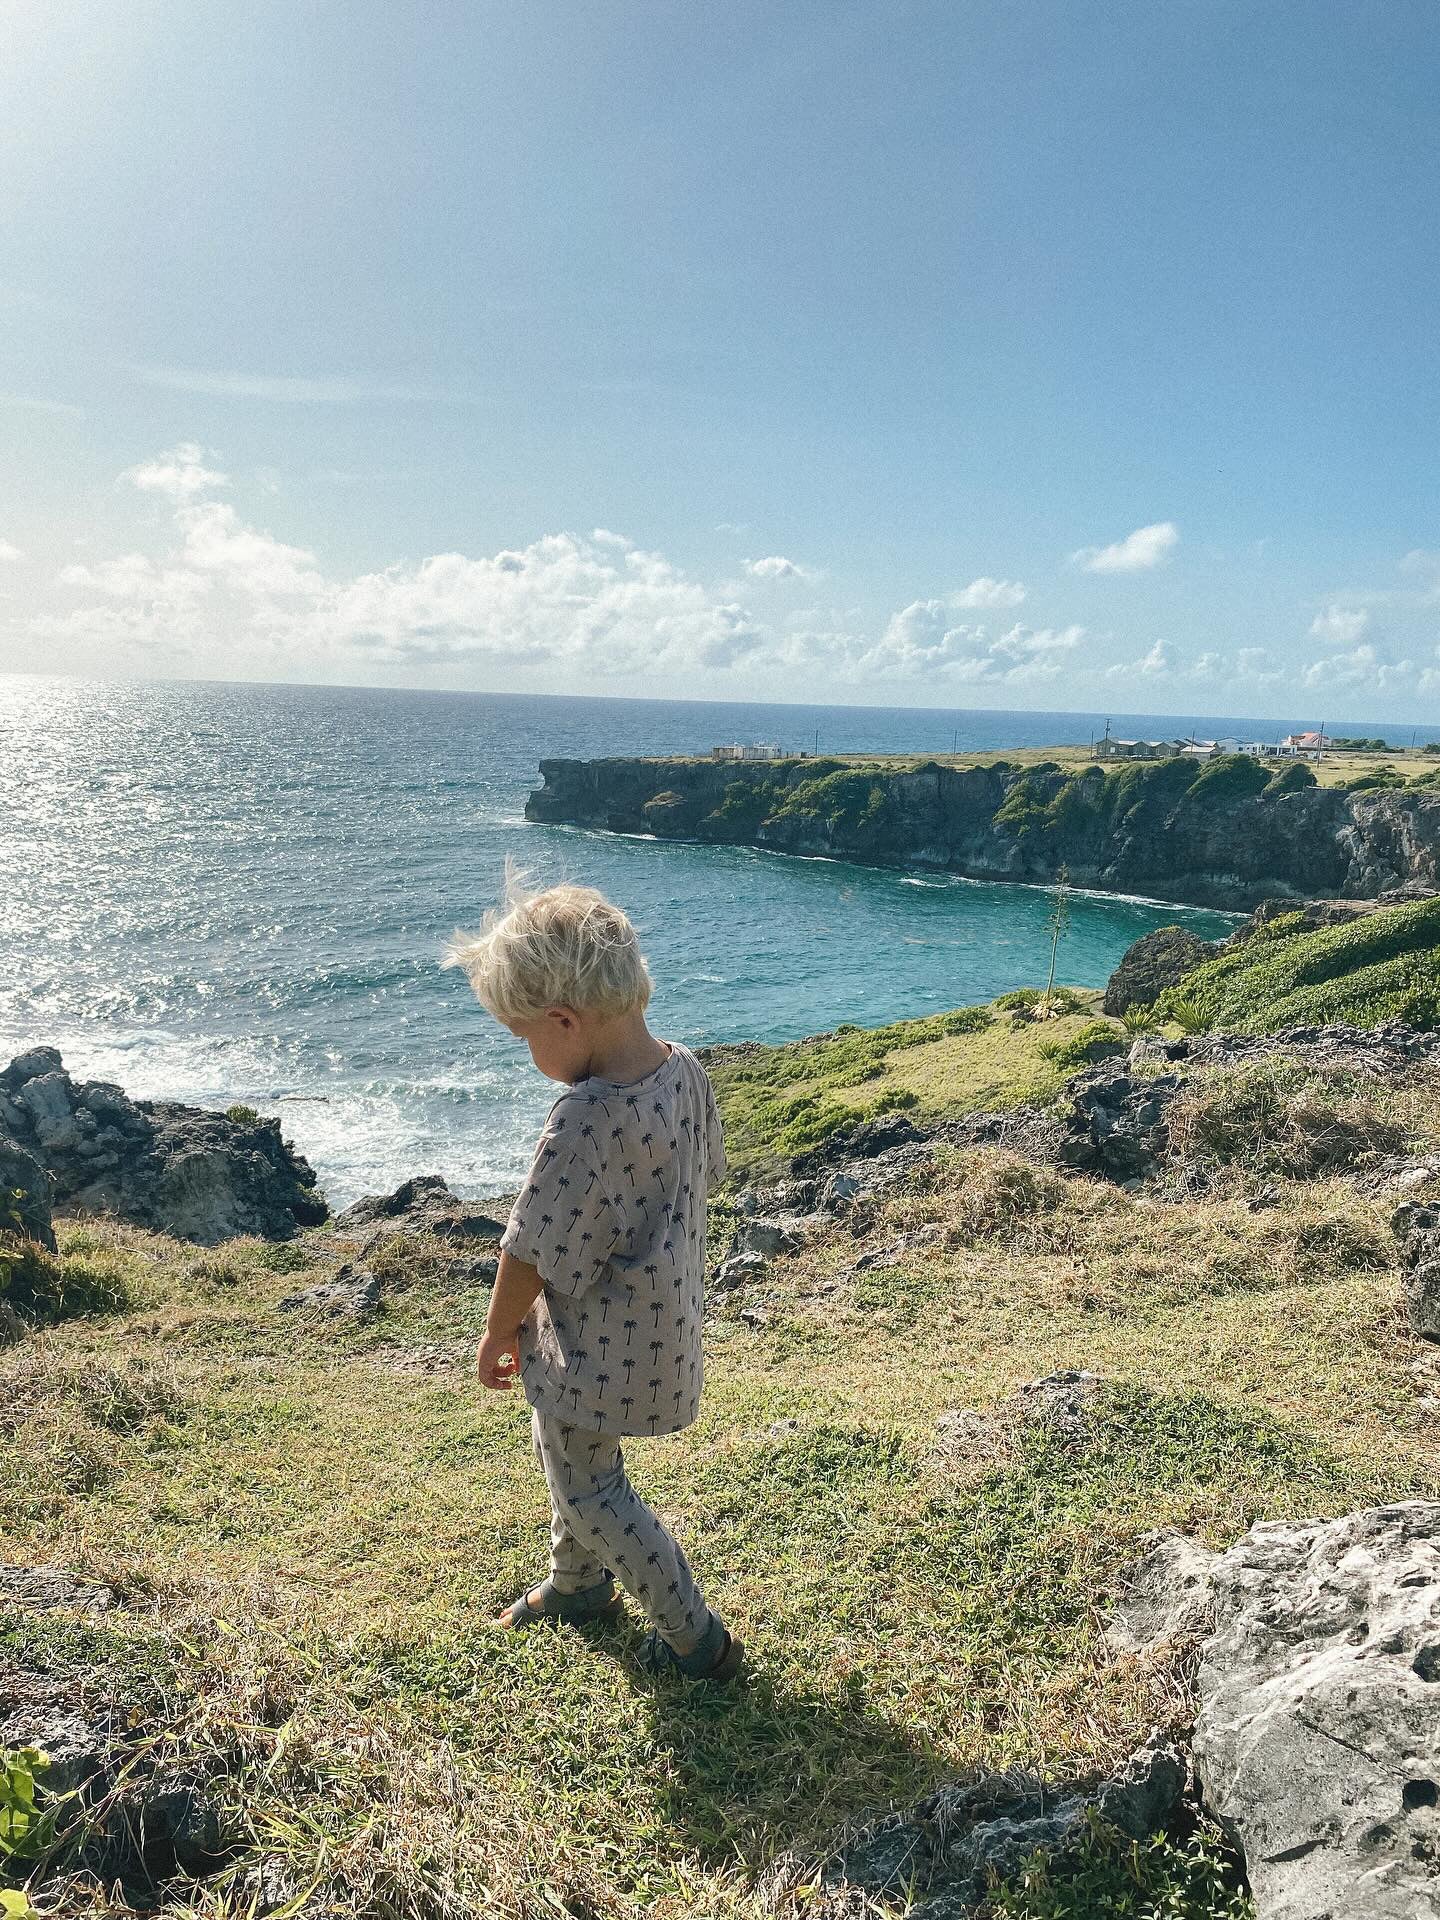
(747, 751)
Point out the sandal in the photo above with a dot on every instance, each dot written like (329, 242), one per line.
(719, 1656)
(590, 1603)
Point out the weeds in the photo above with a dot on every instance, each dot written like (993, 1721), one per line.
(1275, 1116)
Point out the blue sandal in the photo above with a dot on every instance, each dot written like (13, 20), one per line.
(590, 1603)
(719, 1656)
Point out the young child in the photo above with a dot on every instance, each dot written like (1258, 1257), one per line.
(597, 1307)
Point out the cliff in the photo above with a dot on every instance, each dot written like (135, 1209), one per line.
(1225, 835)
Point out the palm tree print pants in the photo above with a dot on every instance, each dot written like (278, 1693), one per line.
(598, 1521)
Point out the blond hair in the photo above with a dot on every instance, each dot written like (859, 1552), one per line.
(563, 947)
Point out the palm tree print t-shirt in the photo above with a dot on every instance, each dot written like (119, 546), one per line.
(613, 1216)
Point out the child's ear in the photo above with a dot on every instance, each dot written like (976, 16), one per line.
(563, 1017)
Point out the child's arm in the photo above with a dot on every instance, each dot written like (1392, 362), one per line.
(497, 1360)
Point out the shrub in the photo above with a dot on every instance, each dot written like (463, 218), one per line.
(1384, 966)
(894, 1099)
(1139, 1020)
(1295, 777)
(45, 1287)
(966, 1020)
(243, 1116)
(994, 1194)
(1108, 1873)
(1275, 1116)
(1088, 1043)
(1230, 779)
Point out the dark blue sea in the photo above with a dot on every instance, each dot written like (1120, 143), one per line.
(223, 893)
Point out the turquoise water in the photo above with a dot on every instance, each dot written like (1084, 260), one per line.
(239, 893)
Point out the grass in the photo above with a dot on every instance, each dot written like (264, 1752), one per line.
(778, 1101)
(1382, 967)
(309, 1535)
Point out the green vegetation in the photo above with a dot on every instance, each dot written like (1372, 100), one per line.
(242, 1116)
(1109, 1877)
(1384, 966)
(1277, 1116)
(779, 1101)
(1293, 777)
(42, 1288)
(1090, 1042)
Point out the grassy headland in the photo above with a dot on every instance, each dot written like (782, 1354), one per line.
(309, 1521)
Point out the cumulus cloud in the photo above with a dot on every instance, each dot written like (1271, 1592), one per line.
(1157, 664)
(1360, 666)
(986, 592)
(575, 608)
(181, 473)
(1340, 625)
(1145, 547)
(920, 640)
(10, 552)
(775, 566)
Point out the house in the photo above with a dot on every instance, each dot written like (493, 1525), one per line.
(1109, 748)
(1315, 741)
(1202, 749)
(747, 752)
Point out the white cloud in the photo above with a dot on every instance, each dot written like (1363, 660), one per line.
(986, 592)
(775, 566)
(10, 552)
(1361, 666)
(36, 403)
(136, 577)
(1340, 625)
(920, 640)
(1145, 547)
(1158, 663)
(180, 474)
(254, 563)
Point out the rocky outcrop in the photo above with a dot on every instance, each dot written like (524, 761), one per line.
(1417, 1228)
(1156, 961)
(180, 1170)
(1213, 836)
(424, 1204)
(1318, 1738)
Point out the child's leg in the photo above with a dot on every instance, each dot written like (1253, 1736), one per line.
(573, 1565)
(600, 1521)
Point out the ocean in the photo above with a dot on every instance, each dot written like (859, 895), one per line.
(222, 893)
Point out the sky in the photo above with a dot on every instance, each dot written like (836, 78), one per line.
(1015, 354)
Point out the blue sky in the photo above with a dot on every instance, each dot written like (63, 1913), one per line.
(1014, 354)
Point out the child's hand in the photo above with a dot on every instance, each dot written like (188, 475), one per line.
(497, 1361)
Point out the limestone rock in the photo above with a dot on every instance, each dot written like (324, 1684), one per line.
(1417, 1228)
(1157, 960)
(424, 1204)
(1163, 1596)
(738, 1271)
(352, 1294)
(948, 1847)
(186, 1171)
(1318, 1737)
(765, 1237)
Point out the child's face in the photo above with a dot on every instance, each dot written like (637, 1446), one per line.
(558, 1041)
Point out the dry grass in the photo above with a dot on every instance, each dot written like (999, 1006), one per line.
(321, 1542)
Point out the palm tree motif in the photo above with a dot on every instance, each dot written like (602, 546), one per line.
(655, 1346)
(571, 1217)
(584, 1318)
(629, 1295)
(629, 1171)
(657, 1109)
(654, 1424)
(546, 1220)
(652, 1271)
(630, 1328)
(579, 1278)
(632, 1100)
(657, 1307)
(604, 1307)
(629, 1366)
(575, 1398)
(645, 1140)
(669, 1246)
(546, 1155)
(626, 1403)
(654, 1389)
(594, 1449)
(657, 1174)
(631, 1530)
(604, 1343)
(678, 1397)
(653, 1560)
(561, 1182)
(617, 1134)
(602, 1380)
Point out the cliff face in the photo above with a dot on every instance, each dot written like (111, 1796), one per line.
(1216, 836)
